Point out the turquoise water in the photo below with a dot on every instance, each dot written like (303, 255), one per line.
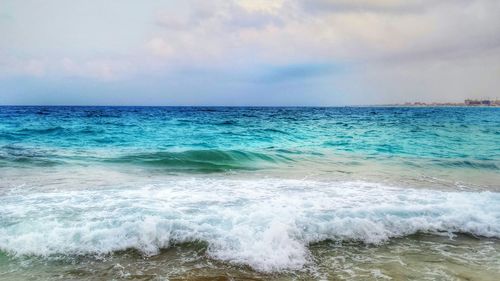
(465, 134)
(223, 139)
(272, 193)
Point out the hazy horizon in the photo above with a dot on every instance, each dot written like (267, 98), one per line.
(248, 53)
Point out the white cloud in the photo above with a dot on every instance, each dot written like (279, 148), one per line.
(107, 69)
(103, 69)
(160, 47)
(34, 67)
(284, 30)
(261, 5)
(10, 66)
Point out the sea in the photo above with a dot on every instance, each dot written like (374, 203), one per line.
(249, 193)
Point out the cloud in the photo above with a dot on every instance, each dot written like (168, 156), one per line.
(292, 30)
(262, 5)
(294, 72)
(393, 49)
(102, 69)
(26, 67)
(353, 6)
(160, 47)
(35, 67)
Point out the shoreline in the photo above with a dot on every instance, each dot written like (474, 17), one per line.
(329, 259)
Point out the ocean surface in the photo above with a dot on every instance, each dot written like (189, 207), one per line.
(242, 193)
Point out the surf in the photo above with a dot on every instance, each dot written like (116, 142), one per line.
(267, 224)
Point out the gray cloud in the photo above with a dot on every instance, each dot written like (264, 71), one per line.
(369, 6)
(294, 72)
(395, 50)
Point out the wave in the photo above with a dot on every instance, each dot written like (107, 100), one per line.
(267, 224)
(27, 160)
(206, 160)
(209, 160)
(485, 164)
(16, 155)
(56, 131)
(49, 130)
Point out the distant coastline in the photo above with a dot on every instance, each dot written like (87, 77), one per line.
(467, 102)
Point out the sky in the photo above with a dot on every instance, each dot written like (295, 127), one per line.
(248, 52)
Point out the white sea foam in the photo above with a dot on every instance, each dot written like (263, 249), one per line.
(265, 223)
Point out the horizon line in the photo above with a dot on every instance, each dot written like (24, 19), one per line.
(312, 106)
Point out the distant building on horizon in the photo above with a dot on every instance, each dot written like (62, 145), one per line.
(482, 102)
(467, 102)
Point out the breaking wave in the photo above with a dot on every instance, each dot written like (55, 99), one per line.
(208, 160)
(266, 224)
(202, 160)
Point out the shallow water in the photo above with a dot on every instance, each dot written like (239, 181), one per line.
(103, 193)
(415, 257)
